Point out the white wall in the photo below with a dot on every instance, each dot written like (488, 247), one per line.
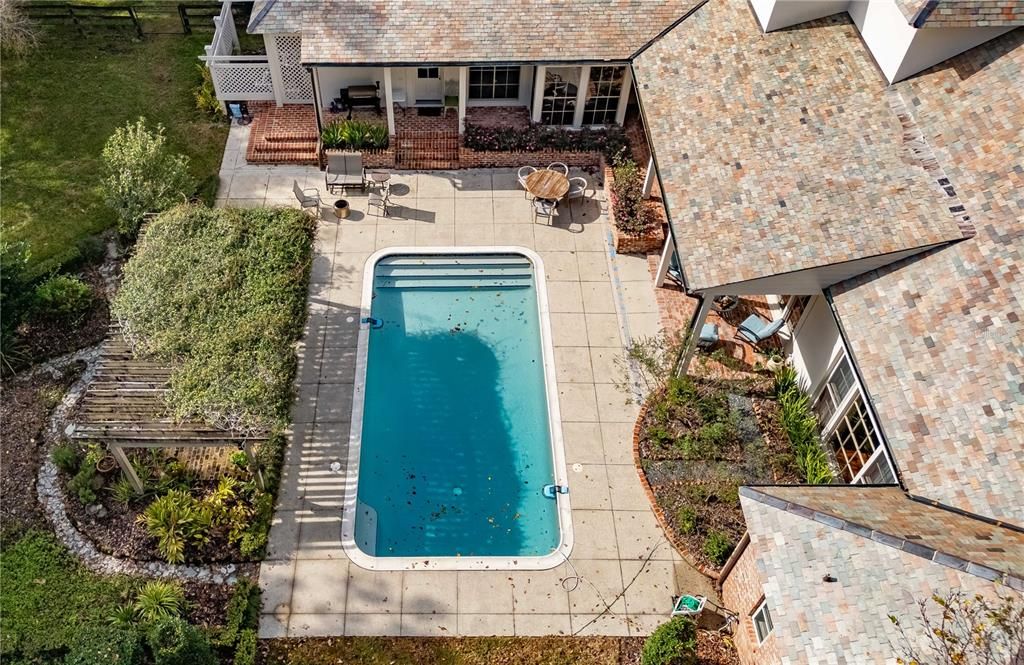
(333, 79)
(902, 50)
(776, 14)
(815, 344)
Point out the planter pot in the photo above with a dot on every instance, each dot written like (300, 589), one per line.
(774, 364)
(341, 209)
(106, 464)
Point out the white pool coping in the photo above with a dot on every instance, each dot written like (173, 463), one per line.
(348, 524)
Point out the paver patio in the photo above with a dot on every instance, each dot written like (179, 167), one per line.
(627, 571)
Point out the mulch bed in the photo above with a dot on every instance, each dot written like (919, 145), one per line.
(115, 529)
(712, 649)
(760, 454)
(41, 339)
(25, 404)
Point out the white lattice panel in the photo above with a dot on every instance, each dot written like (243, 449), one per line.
(298, 89)
(242, 81)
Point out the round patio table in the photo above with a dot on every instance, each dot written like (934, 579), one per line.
(547, 184)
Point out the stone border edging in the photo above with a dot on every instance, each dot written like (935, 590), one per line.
(659, 514)
(51, 496)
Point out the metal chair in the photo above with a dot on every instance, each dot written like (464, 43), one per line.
(308, 198)
(577, 188)
(544, 208)
(381, 199)
(524, 171)
(559, 166)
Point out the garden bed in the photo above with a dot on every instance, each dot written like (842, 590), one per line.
(698, 440)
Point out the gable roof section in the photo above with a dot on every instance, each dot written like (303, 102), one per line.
(872, 573)
(780, 151)
(962, 13)
(940, 338)
(887, 515)
(363, 32)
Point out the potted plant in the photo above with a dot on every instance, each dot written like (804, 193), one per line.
(341, 209)
(775, 361)
(106, 464)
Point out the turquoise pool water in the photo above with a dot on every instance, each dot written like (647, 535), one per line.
(455, 442)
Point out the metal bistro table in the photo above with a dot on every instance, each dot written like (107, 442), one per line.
(547, 184)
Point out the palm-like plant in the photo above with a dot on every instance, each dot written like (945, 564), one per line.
(174, 519)
(158, 600)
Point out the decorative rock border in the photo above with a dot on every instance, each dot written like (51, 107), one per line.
(670, 535)
(51, 496)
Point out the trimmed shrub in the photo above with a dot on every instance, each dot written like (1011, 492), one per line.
(206, 96)
(220, 295)
(672, 643)
(242, 613)
(141, 175)
(63, 298)
(717, 547)
(535, 138)
(66, 458)
(106, 645)
(175, 642)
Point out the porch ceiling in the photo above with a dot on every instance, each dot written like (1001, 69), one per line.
(360, 32)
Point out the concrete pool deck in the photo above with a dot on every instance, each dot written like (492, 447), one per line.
(627, 571)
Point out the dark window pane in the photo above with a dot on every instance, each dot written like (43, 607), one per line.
(474, 75)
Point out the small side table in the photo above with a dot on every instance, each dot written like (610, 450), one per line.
(380, 179)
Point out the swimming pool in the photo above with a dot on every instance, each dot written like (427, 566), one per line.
(455, 453)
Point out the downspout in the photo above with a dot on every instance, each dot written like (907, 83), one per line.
(864, 386)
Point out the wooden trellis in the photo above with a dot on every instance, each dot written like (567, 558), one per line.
(124, 407)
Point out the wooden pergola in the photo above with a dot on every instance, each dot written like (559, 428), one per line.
(124, 407)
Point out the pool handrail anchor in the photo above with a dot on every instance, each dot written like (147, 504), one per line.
(550, 491)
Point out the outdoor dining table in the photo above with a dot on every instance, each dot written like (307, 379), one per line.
(547, 184)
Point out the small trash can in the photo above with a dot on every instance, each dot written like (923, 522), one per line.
(341, 209)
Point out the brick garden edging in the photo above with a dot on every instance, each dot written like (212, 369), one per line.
(631, 244)
(659, 514)
(473, 159)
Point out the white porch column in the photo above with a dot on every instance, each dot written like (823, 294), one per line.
(627, 85)
(691, 342)
(463, 94)
(540, 74)
(388, 101)
(649, 178)
(275, 68)
(581, 95)
(665, 262)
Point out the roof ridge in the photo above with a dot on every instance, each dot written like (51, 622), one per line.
(896, 542)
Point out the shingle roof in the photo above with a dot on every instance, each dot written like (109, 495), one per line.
(450, 31)
(891, 517)
(940, 338)
(962, 13)
(843, 619)
(780, 151)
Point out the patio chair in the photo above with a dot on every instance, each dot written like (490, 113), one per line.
(559, 166)
(544, 208)
(577, 188)
(308, 198)
(381, 199)
(708, 336)
(344, 171)
(755, 330)
(524, 171)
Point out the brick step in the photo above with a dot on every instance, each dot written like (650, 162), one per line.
(290, 137)
(290, 146)
(304, 157)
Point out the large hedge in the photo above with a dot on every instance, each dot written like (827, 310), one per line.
(221, 295)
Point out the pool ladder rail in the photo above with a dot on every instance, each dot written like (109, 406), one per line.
(552, 491)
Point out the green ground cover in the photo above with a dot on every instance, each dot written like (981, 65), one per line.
(62, 102)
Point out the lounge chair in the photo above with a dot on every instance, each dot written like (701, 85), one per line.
(308, 198)
(344, 171)
(754, 329)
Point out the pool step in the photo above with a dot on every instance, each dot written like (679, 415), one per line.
(496, 271)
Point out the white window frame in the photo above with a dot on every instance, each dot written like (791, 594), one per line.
(588, 97)
(828, 428)
(425, 73)
(762, 607)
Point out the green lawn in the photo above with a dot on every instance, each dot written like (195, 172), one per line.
(59, 106)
